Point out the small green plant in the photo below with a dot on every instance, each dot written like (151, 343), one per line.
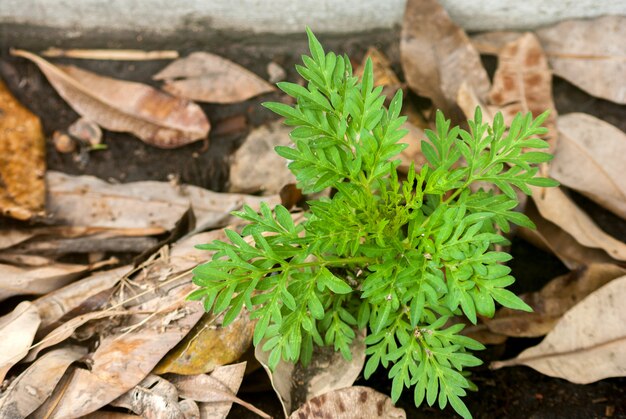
(398, 257)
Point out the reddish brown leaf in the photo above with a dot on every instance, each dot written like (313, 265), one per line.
(155, 117)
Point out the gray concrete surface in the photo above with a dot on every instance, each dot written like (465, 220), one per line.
(77, 17)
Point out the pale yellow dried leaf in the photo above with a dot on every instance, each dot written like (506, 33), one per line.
(18, 330)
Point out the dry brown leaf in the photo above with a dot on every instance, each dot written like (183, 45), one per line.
(147, 206)
(491, 43)
(588, 344)
(350, 403)
(209, 345)
(554, 300)
(383, 73)
(18, 330)
(413, 152)
(590, 159)
(437, 56)
(256, 166)
(210, 78)
(22, 159)
(111, 54)
(41, 280)
(123, 359)
(550, 237)
(11, 237)
(590, 54)
(56, 304)
(555, 206)
(104, 414)
(155, 117)
(152, 398)
(523, 82)
(28, 391)
(216, 392)
(67, 329)
(327, 371)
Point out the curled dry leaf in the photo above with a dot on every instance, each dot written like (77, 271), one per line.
(349, 403)
(329, 370)
(555, 206)
(491, 43)
(41, 279)
(590, 159)
(86, 131)
(146, 207)
(18, 330)
(152, 398)
(383, 73)
(28, 391)
(590, 54)
(22, 160)
(155, 117)
(554, 300)
(523, 82)
(437, 56)
(256, 166)
(588, 344)
(210, 78)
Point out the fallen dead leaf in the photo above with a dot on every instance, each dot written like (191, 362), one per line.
(28, 391)
(328, 371)
(588, 344)
(437, 56)
(18, 331)
(350, 403)
(555, 206)
(554, 300)
(111, 54)
(210, 78)
(22, 160)
(56, 304)
(152, 398)
(590, 159)
(590, 54)
(155, 117)
(413, 152)
(550, 237)
(491, 43)
(256, 166)
(523, 82)
(147, 207)
(42, 279)
(86, 131)
(216, 392)
(209, 345)
(383, 73)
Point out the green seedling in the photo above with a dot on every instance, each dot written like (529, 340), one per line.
(398, 257)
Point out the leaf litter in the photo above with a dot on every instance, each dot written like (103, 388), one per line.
(138, 315)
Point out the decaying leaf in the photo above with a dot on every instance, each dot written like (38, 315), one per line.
(210, 78)
(491, 43)
(550, 237)
(56, 304)
(554, 300)
(523, 82)
(216, 392)
(349, 403)
(22, 160)
(590, 159)
(256, 166)
(156, 206)
(555, 206)
(328, 371)
(28, 391)
(155, 117)
(588, 344)
(209, 345)
(383, 73)
(413, 152)
(590, 54)
(42, 279)
(437, 56)
(18, 330)
(153, 398)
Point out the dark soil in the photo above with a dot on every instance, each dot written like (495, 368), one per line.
(517, 392)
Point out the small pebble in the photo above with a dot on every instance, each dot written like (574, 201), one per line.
(276, 73)
(63, 142)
